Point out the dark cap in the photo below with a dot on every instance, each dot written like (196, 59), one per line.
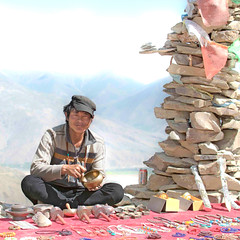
(84, 104)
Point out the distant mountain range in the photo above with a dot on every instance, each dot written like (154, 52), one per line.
(32, 102)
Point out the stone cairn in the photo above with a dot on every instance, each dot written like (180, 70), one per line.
(202, 116)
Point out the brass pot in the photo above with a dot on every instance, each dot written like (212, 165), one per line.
(92, 179)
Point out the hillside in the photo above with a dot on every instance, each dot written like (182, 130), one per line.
(11, 186)
(123, 117)
(137, 109)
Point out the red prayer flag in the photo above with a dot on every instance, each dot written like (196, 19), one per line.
(213, 12)
(214, 58)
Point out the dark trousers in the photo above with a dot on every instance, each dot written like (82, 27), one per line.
(36, 188)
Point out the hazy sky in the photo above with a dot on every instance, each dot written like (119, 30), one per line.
(86, 37)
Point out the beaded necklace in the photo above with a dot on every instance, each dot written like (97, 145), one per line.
(154, 228)
(127, 229)
(113, 232)
(68, 160)
(170, 224)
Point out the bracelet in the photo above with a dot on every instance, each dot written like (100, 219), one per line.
(224, 224)
(46, 232)
(218, 237)
(125, 238)
(193, 238)
(146, 229)
(13, 227)
(28, 238)
(178, 234)
(205, 234)
(101, 232)
(83, 231)
(237, 219)
(227, 237)
(164, 229)
(193, 231)
(112, 232)
(216, 229)
(86, 238)
(188, 223)
(65, 232)
(45, 238)
(7, 234)
(154, 236)
(182, 227)
(129, 230)
(229, 230)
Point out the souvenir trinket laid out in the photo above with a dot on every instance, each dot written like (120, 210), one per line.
(19, 212)
(69, 212)
(201, 226)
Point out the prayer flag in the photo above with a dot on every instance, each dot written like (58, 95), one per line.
(214, 12)
(214, 58)
(235, 48)
(194, 29)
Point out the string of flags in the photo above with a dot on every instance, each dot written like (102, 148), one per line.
(214, 13)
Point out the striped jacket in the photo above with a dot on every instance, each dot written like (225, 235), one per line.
(56, 149)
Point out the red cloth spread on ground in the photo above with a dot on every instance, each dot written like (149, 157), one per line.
(214, 12)
(103, 224)
(214, 58)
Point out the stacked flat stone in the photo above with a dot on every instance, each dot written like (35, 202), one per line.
(203, 116)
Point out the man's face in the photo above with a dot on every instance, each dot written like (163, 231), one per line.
(79, 122)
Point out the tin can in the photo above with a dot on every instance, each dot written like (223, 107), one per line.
(142, 176)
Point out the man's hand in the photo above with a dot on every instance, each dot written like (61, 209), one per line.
(74, 170)
(95, 189)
